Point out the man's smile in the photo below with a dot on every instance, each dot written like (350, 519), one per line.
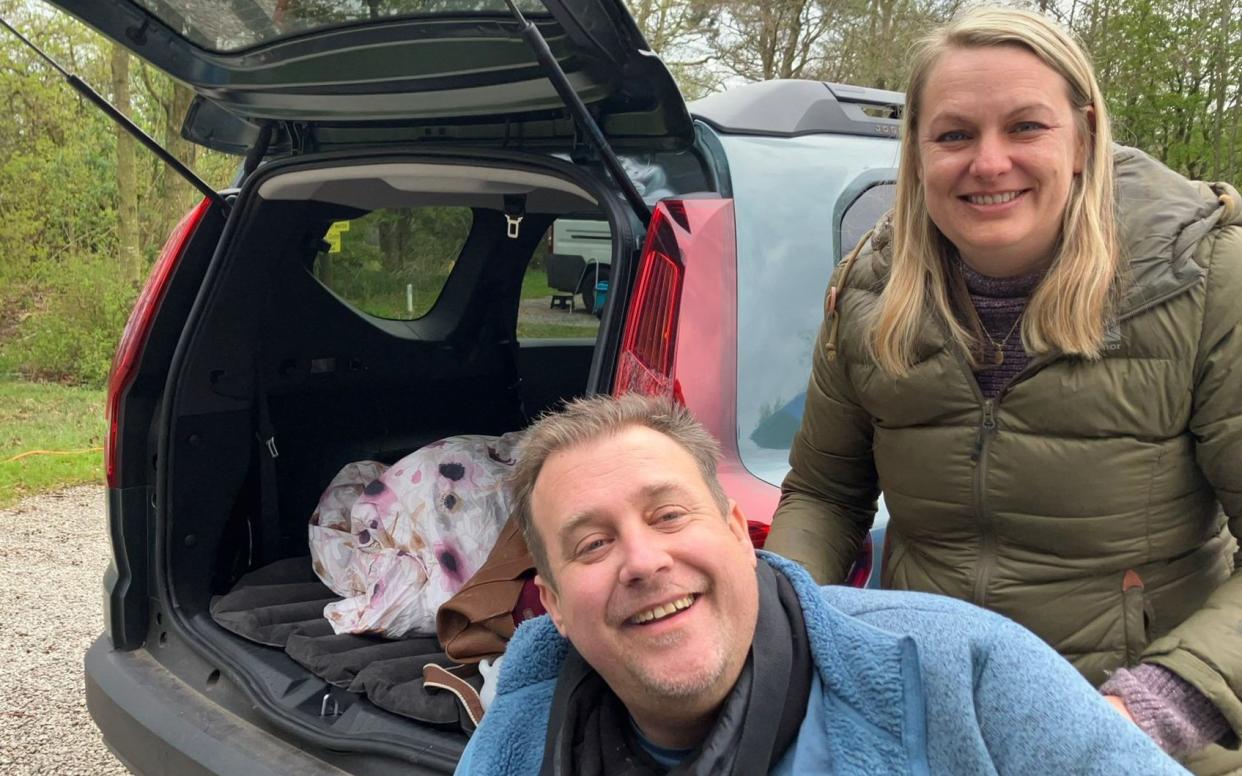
(663, 611)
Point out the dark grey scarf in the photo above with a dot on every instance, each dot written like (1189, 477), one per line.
(589, 730)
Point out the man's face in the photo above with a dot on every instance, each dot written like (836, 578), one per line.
(653, 585)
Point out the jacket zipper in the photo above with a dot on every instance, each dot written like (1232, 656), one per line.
(987, 528)
(987, 430)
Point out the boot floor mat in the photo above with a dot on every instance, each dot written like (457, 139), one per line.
(281, 606)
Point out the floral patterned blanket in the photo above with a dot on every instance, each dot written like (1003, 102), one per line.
(396, 542)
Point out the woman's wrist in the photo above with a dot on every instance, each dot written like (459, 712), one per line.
(1170, 710)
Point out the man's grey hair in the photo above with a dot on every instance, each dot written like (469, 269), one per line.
(596, 418)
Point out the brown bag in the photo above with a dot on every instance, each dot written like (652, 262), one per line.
(477, 622)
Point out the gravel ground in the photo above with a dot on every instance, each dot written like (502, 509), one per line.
(53, 550)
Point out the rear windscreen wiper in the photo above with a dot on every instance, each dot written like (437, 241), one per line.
(84, 89)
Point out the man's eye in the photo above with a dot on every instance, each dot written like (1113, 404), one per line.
(670, 517)
(591, 546)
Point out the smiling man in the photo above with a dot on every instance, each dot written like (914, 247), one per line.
(670, 646)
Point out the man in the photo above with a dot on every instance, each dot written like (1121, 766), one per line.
(670, 646)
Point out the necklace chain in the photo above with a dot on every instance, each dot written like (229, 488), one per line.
(998, 348)
(998, 354)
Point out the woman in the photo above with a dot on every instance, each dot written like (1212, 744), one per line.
(1038, 358)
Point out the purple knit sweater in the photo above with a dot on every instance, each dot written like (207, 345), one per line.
(1169, 709)
(1000, 303)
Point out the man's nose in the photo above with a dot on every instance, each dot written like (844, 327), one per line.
(991, 156)
(644, 556)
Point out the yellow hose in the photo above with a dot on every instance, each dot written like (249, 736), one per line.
(20, 456)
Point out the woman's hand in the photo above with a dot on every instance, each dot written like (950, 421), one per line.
(1120, 706)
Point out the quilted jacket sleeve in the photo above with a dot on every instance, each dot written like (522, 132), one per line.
(828, 499)
(1206, 649)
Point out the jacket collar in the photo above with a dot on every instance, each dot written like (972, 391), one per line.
(874, 672)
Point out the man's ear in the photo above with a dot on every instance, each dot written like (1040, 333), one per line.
(738, 527)
(550, 601)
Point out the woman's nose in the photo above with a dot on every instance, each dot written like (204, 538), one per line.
(991, 157)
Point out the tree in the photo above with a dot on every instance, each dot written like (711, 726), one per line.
(171, 195)
(873, 42)
(679, 30)
(762, 40)
(126, 180)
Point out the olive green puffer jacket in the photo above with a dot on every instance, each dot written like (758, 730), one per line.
(1086, 501)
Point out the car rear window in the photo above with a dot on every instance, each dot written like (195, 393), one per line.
(393, 263)
(800, 204)
(217, 26)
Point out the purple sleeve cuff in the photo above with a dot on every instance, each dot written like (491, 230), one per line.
(1178, 717)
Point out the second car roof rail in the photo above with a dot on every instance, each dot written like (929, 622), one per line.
(798, 107)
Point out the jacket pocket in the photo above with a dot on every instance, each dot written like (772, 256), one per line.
(1134, 616)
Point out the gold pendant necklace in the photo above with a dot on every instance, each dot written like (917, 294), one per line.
(998, 352)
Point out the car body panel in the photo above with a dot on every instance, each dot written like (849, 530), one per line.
(463, 76)
(785, 256)
(132, 697)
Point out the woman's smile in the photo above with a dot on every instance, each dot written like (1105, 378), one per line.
(993, 200)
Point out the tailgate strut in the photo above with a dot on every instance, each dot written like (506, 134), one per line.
(84, 89)
(578, 109)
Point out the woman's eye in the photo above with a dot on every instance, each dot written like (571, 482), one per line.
(1028, 126)
(952, 136)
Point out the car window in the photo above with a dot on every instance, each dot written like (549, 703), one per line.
(799, 202)
(222, 27)
(862, 213)
(566, 281)
(392, 263)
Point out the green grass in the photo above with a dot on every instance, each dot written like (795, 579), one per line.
(535, 285)
(390, 302)
(553, 331)
(54, 418)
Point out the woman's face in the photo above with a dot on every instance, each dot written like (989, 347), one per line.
(998, 149)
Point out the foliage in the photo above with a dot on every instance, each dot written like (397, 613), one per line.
(393, 263)
(533, 330)
(1168, 69)
(63, 425)
(80, 306)
(64, 291)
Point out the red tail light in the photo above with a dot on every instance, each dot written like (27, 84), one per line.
(860, 573)
(758, 533)
(646, 361)
(134, 339)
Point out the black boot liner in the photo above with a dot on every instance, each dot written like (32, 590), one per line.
(281, 606)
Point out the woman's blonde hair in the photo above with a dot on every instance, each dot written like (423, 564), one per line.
(1070, 307)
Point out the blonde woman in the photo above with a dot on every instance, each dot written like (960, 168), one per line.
(1038, 359)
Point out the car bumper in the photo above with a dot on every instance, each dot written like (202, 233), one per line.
(156, 724)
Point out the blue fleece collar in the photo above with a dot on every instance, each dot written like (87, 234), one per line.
(856, 662)
(870, 670)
